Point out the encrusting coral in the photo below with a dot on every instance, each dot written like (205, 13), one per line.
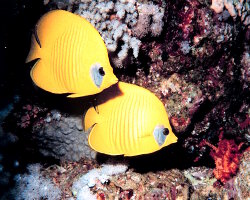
(226, 157)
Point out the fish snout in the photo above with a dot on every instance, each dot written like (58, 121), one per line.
(111, 79)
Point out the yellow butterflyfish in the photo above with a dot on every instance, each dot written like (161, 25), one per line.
(71, 56)
(128, 120)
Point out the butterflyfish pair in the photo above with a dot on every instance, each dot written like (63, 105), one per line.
(71, 56)
(131, 122)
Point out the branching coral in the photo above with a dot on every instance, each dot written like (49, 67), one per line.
(226, 156)
(147, 11)
(122, 23)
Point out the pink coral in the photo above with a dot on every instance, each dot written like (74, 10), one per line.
(30, 115)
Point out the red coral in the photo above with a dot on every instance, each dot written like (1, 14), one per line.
(226, 157)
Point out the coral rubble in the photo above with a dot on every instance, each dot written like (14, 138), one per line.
(193, 183)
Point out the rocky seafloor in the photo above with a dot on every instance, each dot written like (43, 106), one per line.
(196, 61)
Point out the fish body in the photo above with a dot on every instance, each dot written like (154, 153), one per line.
(72, 57)
(130, 123)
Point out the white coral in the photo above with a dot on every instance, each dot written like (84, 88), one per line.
(34, 186)
(80, 188)
(146, 13)
(120, 25)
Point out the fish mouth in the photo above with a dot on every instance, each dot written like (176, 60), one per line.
(110, 80)
(116, 81)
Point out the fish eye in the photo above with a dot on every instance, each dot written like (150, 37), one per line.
(160, 134)
(165, 131)
(97, 73)
(101, 71)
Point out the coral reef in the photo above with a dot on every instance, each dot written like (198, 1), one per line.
(143, 25)
(190, 98)
(122, 23)
(193, 183)
(198, 46)
(195, 58)
(241, 182)
(126, 185)
(60, 4)
(200, 176)
(245, 70)
(112, 20)
(236, 8)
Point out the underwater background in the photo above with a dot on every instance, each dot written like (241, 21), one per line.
(193, 55)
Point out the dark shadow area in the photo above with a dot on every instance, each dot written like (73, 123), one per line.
(170, 157)
(17, 18)
(17, 21)
(108, 94)
(16, 158)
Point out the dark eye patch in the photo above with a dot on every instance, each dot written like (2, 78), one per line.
(166, 131)
(101, 71)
